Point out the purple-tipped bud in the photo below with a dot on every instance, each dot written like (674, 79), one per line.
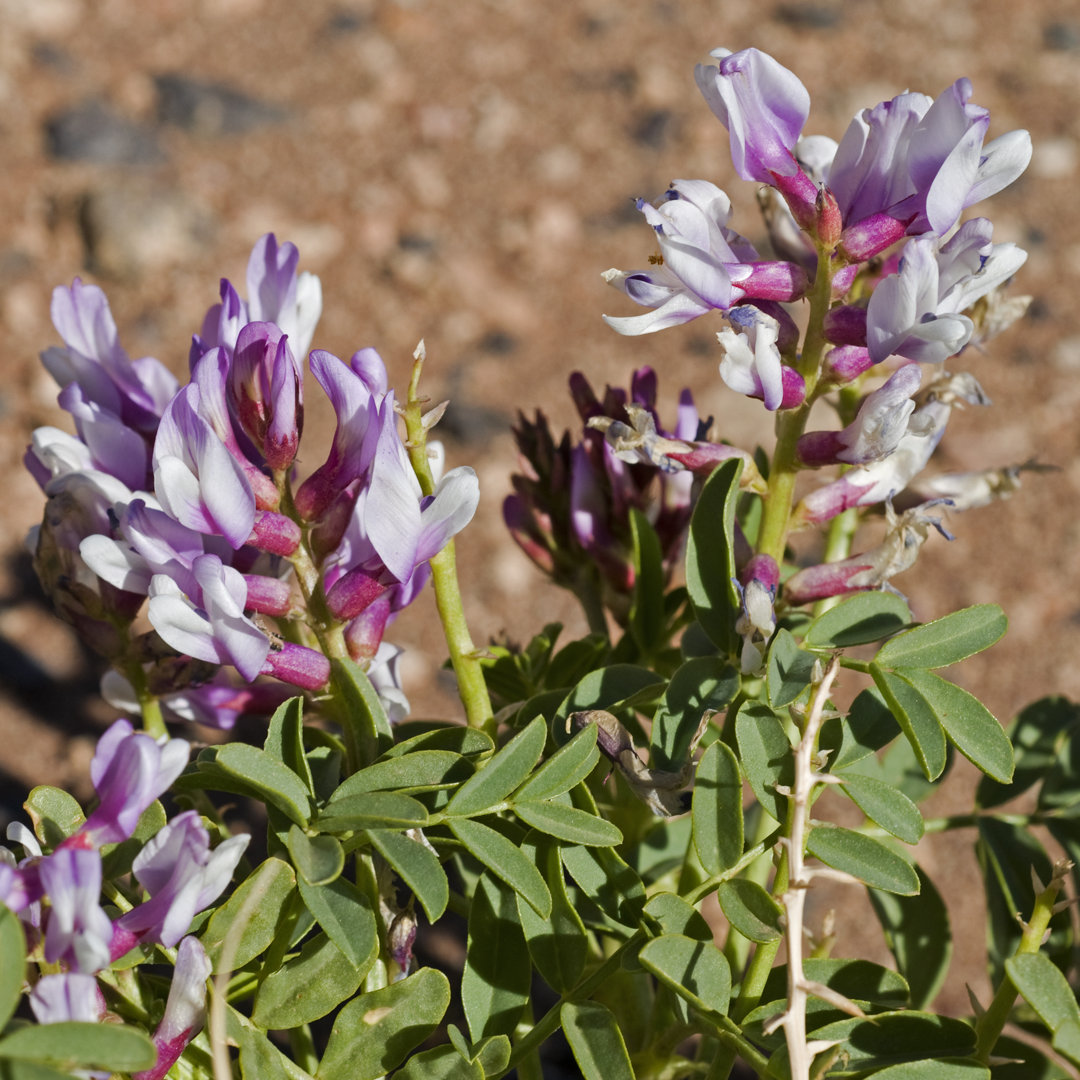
(843, 279)
(268, 596)
(185, 1011)
(266, 391)
(364, 634)
(830, 223)
(275, 533)
(846, 363)
(298, 665)
(782, 281)
(846, 325)
(352, 593)
(801, 195)
(871, 236)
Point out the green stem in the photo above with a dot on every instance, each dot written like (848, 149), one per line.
(992, 1022)
(838, 541)
(791, 423)
(152, 719)
(761, 964)
(302, 1045)
(463, 654)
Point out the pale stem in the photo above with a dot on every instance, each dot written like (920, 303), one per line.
(794, 899)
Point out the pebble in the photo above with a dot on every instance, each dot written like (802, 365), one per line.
(211, 108)
(93, 131)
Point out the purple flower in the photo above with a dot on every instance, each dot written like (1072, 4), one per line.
(266, 390)
(182, 876)
(751, 364)
(918, 312)
(196, 479)
(764, 107)
(357, 392)
(114, 448)
(703, 264)
(129, 771)
(77, 931)
(136, 392)
(874, 483)
(881, 422)
(185, 1011)
(757, 619)
(70, 996)
(208, 622)
(921, 162)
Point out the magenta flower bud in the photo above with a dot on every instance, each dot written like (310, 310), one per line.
(353, 592)
(298, 665)
(266, 391)
(703, 457)
(801, 195)
(274, 533)
(846, 363)
(843, 279)
(268, 596)
(846, 325)
(757, 620)
(783, 281)
(871, 236)
(364, 634)
(185, 1011)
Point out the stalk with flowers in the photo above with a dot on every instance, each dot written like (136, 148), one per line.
(595, 793)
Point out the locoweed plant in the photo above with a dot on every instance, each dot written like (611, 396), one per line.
(265, 910)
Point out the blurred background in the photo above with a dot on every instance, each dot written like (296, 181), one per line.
(462, 172)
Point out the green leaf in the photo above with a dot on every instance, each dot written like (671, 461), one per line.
(766, 755)
(54, 814)
(968, 723)
(306, 987)
(361, 705)
(73, 1045)
(274, 882)
(568, 823)
(862, 618)
(504, 772)
(938, 1069)
(255, 772)
(440, 1063)
(458, 739)
(614, 687)
(647, 622)
(596, 1041)
(285, 739)
(13, 1069)
(576, 659)
(864, 857)
(750, 909)
(945, 641)
(717, 809)
(868, 726)
(677, 916)
(916, 718)
(790, 670)
(699, 685)
(1044, 988)
(558, 945)
(116, 859)
(12, 964)
(417, 866)
(884, 805)
(423, 769)
(867, 1045)
(662, 849)
(919, 937)
(373, 810)
(505, 860)
(495, 982)
(345, 914)
(1038, 735)
(1067, 1041)
(260, 1059)
(492, 1055)
(695, 970)
(318, 859)
(607, 880)
(710, 557)
(566, 768)
(375, 1033)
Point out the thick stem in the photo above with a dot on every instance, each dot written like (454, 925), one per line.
(992, 1022)
(463, 655)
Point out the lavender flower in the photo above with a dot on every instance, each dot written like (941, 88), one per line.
(77, 931)
(129, 771)
(69, 996)
(182, 876)
(751, 362)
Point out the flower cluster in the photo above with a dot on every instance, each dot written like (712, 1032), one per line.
(182, 498)
(869, 232)
(58, 896)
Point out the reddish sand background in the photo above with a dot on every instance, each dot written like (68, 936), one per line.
(462, 172)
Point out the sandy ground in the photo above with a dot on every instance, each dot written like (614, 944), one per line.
(462, 172)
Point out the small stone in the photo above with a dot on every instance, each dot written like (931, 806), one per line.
(211, 108)
(1062, 36)
(807, 16)
(92, 131)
